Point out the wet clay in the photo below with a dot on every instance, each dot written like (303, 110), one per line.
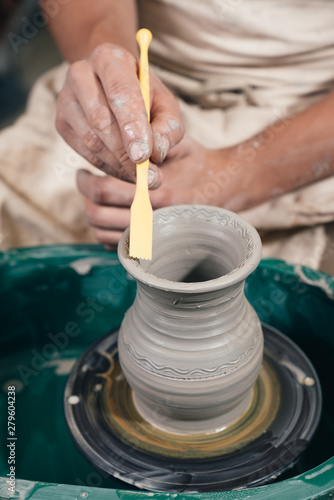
(191, 345)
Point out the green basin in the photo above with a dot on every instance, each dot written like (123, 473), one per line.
(56, 300)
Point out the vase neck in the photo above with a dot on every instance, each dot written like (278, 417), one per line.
(180, 300)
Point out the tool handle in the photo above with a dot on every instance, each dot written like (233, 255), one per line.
(144, 37)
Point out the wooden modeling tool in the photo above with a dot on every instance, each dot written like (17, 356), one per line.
(141, 221)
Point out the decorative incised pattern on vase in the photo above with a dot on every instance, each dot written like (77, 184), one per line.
(184, 373)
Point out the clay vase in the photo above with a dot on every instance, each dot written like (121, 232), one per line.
(191, 345)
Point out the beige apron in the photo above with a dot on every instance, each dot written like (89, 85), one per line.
(237, 66)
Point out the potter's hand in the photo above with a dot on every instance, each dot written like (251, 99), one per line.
(101, 113)
(190, 174)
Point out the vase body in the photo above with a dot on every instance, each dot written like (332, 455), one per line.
(191, 345)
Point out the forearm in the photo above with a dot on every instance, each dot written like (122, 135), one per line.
(285, 156)
(81, 25)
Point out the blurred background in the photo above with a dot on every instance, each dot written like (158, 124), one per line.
(26, 51)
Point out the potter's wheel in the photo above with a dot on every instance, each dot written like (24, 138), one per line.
(265, 441)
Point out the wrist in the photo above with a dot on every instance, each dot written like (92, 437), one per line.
(101, 34)
(232, 175)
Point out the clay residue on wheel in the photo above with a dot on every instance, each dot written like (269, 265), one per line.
(120, 412)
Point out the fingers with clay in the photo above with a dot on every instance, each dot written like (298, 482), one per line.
(101, 114)
(107, 205)
(188, 169)
(166, 123)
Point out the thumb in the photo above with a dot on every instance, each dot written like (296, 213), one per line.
(155, 176)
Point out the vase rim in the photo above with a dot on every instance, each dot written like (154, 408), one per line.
(135, 269)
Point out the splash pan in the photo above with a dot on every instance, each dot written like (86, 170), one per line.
(47, 291)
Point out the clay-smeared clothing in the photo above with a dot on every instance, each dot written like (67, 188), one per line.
(237, 67)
